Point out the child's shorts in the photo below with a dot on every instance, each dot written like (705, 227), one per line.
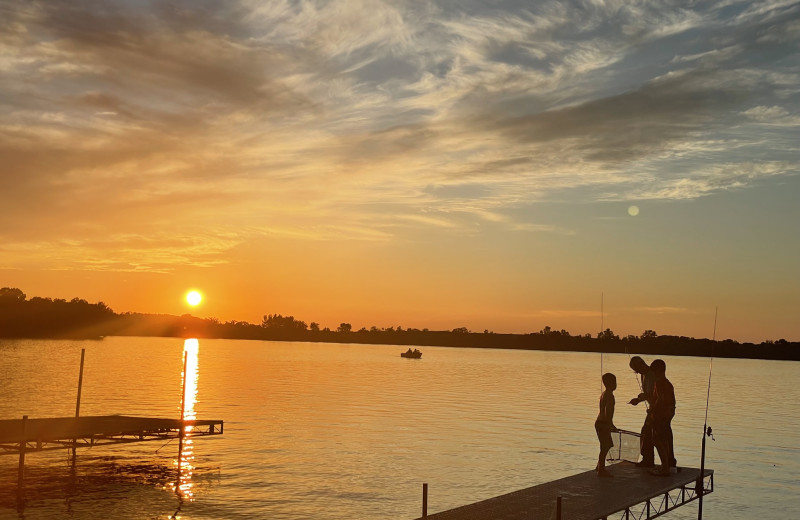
(604, 436)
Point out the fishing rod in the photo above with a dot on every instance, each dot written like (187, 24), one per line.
(600, 339)
(699, 487)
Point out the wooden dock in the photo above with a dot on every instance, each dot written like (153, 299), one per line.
(30, 435)
(633, 493)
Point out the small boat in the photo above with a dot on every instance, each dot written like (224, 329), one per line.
(411, 354)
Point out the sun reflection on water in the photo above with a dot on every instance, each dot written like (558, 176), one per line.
(183, 488)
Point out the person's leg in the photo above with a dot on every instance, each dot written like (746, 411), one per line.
(601, 462)
(662, 445)
(604, 436)
(669, 440)
(600, 459)
(646, 447)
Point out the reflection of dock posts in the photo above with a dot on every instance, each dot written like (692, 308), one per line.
(78, 405)
(22, 446)
(424, 499)
(182, 431)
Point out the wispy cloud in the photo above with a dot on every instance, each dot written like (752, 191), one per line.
(157, 253)
(772, 115)
(359, 116)
(663, 310)
(564, 313)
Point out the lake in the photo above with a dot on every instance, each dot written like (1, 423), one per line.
(342, 431)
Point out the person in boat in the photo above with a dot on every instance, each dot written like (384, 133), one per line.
(604, 424)
(663, 410)
(646, 446)
(416, 351)
(409, 351)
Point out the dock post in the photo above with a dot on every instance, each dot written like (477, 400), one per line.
(424, 499)
(78, 404)
(700, 486)
(21, 473)
(558, 507)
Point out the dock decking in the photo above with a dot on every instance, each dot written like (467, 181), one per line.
(67, 432)
(631, 493)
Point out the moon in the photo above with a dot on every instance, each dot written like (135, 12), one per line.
(633, 210)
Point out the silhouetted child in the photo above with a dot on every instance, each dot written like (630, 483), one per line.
(604, 424)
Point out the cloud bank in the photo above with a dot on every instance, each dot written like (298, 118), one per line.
(123, 123)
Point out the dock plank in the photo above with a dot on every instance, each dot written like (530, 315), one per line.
(584, 496)
(63, 429)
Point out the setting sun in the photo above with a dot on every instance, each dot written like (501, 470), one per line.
(193, 298)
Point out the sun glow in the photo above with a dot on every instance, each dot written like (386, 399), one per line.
(194, 298)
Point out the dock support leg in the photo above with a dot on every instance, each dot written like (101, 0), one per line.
(78, 405)
(21, 473)
(558, 508)
(424, 499)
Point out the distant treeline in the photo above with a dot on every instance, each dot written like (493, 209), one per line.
(56, 318)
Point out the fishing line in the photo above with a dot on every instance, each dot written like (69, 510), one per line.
(601, 371)
(711, 367)
(599, 338)
(166, 444)
(635, 373)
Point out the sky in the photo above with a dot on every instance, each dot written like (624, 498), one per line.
(496, 165)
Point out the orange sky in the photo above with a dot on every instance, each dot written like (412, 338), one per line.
(383, 164)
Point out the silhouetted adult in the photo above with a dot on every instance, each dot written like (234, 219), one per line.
(648, 382)
(662, 411)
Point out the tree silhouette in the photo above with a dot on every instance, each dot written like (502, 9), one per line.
(77, 318)
(11, 295)
(284, 323)
(344, 328)
(607, 335)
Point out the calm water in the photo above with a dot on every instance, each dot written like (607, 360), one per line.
(316, 431)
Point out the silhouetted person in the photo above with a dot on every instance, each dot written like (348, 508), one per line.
(646, 440)
(604, 424)
(663, 410)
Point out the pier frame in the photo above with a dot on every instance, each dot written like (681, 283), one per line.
(663, 504)
(88, 431)
(634, 494)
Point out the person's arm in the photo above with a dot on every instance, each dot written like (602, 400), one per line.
(607, 412)
(638, 399)
(611, 405)
(648, 387)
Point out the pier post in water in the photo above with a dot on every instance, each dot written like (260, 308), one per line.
(21, 474)
(78, 404)
(424, 499)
